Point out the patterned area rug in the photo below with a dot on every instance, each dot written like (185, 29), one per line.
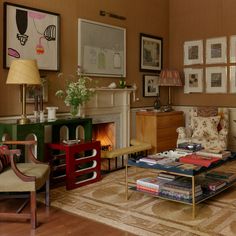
(142, 214)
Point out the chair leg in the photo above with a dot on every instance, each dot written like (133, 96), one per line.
(33, 209)
(47, 193)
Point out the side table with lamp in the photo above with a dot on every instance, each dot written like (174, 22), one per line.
(159, 128)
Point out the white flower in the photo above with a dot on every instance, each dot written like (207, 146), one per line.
(78, 89)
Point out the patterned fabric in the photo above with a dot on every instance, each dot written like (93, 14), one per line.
(218, 143)
(206, 127)
(4, 158)
(207, 111)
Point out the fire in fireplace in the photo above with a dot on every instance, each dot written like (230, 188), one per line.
(105, 133)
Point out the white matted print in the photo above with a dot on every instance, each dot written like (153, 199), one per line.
(232, 48)
(193, 80)
(150, 86)
(101, 49)
(193, 52)
(216, 50)
(232, 79)
(216, 79)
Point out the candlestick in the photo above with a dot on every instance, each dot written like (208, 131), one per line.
(36, 103)
(41, 103)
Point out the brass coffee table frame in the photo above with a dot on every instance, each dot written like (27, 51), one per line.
(194, 202)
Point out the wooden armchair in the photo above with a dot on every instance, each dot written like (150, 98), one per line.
(22, 178)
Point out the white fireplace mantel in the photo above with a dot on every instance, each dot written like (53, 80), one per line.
(112, 105)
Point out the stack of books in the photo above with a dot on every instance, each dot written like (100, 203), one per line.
(180, 189)
(167, 176)
(209, 184)
(190, 146)
(221, 175)
(149, 184)
(198, 160)
(210, 153)
(155, 159)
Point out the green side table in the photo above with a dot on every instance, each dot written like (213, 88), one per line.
(15, 131)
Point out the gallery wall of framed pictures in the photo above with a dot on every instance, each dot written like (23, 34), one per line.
(208, 64)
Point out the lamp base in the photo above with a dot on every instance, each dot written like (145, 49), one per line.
(23, 121)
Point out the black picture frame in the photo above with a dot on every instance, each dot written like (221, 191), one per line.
(151, 53)
(31, 33)
(150, 85)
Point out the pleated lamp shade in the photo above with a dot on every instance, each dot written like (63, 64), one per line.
(169, 78)
(23, 72)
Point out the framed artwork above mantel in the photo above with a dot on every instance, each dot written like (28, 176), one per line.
(101, 49)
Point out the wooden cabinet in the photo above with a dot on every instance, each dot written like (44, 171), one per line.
(158, 128)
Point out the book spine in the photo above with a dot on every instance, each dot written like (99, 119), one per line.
(146, 189)
(187, 192)
(206, 154)
(147, 184)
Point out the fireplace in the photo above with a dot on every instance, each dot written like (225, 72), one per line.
(112, 106)
(110, 112)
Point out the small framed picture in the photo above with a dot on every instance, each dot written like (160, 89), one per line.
(193, 80)
(37, 90)
(193, 52)
(232, 79)
(216, 50)
(150, 53)
(216, 79)
(233, 49)
(150, 87)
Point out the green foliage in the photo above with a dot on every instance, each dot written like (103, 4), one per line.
(78, 90)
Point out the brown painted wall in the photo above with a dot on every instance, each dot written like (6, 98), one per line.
(150, 17)
(193, 20)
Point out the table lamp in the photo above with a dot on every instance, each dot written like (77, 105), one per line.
(23, 72)
(169, 78)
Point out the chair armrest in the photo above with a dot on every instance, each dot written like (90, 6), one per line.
(184, 132)
(29, 143)
(12, 153)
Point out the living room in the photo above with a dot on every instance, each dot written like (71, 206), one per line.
(176, 22)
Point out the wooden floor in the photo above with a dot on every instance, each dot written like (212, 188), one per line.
(54, 222)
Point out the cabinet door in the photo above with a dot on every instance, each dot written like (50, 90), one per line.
(146, 130)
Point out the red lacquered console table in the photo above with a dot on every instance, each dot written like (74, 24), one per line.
(82, 162)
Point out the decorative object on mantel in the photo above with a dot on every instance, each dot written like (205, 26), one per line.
(78, 91)
(169, 78)
(23, 72)
(112, 85)
(122, 83)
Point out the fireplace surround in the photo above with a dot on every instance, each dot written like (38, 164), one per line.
(112, 106)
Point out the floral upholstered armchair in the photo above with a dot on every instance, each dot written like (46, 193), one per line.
(208, 126)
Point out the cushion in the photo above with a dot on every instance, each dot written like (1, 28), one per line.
(4, 159)
(205, 127)
(207, 111)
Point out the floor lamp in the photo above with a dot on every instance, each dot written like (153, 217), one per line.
(23, 72)
(169, 78)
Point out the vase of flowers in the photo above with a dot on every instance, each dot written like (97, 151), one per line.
(78, 90)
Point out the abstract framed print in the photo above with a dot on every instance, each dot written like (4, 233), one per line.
(232, 87)
(193, 52)
(216, 79)
(193, 80)
(216, 50)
